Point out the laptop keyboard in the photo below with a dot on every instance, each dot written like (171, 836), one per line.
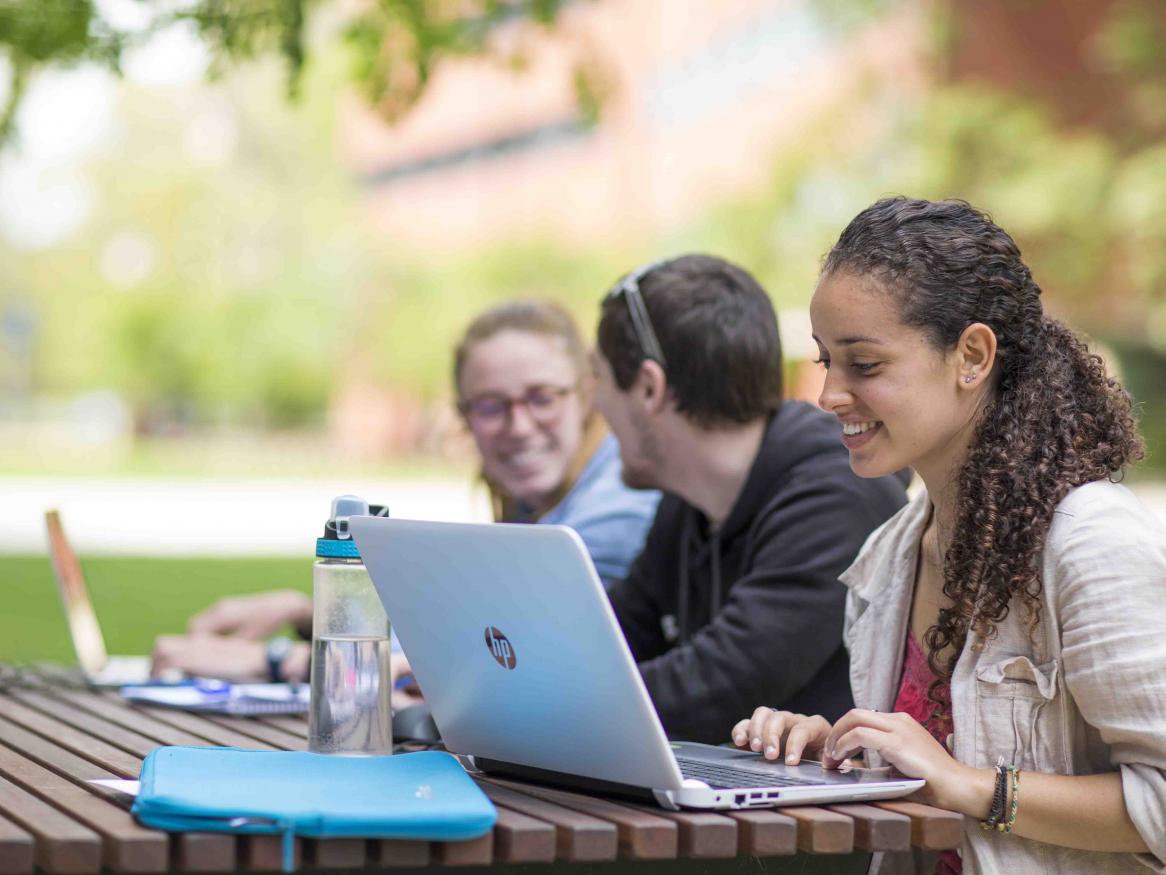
(727, 777)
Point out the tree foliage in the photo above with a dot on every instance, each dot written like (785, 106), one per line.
(396, 44)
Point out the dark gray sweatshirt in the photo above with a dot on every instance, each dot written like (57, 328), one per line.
(751, 614)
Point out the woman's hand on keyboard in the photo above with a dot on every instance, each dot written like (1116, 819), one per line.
(768, 731)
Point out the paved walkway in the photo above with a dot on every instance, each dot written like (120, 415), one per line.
(232, 517)
(208, 518)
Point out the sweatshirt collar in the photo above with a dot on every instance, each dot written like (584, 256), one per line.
(779, 452)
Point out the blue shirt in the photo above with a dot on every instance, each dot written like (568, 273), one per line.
(610, 517)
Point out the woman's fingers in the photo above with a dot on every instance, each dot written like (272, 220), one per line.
(860, 729)
(851, 720)
(855, 741)
(740, 733)
(768, 730)
(809, 733)
(757, 724)
(774, 730)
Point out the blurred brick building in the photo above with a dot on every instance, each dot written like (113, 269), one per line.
(698, 97)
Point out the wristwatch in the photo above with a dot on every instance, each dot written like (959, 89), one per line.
(276, 652)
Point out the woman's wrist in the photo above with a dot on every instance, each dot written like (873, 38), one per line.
(968, 791)
(297, 663)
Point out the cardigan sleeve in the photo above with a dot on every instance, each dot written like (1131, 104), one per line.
(1109, 563)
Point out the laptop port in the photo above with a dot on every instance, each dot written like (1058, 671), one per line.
(739, 799)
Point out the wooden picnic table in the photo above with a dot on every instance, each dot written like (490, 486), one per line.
(56, 735)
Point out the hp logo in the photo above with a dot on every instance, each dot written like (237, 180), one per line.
(500, 648)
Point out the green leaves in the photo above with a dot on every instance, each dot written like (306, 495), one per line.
(396, 45)
(36, 33)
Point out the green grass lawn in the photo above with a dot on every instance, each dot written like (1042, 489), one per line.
(135, 598)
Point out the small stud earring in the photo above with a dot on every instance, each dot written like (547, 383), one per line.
(969, 378)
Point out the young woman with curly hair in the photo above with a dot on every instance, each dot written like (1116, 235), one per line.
(1006, 628)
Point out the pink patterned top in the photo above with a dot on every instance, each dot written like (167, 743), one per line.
(912, 699)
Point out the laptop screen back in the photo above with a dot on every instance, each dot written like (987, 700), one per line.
(516, 648)
(79, 614)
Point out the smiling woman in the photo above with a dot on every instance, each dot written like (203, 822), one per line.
(1005, 626)
(525, 391)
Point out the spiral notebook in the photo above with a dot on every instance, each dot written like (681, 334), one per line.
(219, 697)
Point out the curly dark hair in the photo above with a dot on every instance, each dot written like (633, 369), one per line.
(1055, 420)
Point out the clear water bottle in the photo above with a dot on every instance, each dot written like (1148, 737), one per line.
(350, 645)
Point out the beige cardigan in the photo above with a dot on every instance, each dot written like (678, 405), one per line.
(1086, 693)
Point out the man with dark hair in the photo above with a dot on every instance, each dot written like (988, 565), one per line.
(735, 598)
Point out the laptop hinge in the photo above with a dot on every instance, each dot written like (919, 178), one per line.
(562, 779)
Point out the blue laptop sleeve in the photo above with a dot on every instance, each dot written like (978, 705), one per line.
(423, 795)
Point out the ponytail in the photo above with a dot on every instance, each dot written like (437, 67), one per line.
(1055, 420)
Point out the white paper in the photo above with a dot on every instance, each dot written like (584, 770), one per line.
(224, 698)
(130, 788)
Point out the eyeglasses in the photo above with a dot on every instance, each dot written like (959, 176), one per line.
(629, 287)
(491, 412)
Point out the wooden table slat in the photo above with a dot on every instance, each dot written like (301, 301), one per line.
(520, 838)
(114, 759)
(57, 760)
(254, 733)
(127, 846)
(765, 833)
(129, 741)
(193, 852)
(62, 844)
(578, 837)
(931, 828)
(642, 836)
(703, 835)
(476, 852)
(292, 724)
(398, 853)
(16, 849)
(876, 829)
(133, 719)
(821, 831)
(337, 853)
(203, 852)
(201, 728)
(264, 853)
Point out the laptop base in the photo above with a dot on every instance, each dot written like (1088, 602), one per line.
(562, 779)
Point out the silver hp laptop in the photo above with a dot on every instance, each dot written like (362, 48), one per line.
(523, 664)
(99, 667)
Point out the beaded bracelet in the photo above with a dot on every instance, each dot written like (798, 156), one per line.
(1007, 827)
(999, 798)
(1005, 774)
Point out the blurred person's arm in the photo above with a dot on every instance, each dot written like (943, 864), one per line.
(253, 617)
(401, 674)
(230, 659)
(613, 528)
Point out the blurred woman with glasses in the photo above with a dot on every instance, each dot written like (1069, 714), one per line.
(525, 392)
(524, 389)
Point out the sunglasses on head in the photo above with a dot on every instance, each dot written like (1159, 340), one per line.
(629, 288)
